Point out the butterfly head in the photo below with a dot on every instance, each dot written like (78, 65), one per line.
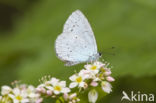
(100, 54)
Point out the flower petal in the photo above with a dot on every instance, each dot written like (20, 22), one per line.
(65, 90)
(73, 84)
(82, 84)
(73, 77)
(62, 83)
(56, 92)
(106, 86)
(54, 81)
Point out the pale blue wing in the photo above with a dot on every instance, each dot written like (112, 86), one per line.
(77, 42)
(72, 48)
(78, 24)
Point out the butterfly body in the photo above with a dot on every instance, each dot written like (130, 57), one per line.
(76, 44)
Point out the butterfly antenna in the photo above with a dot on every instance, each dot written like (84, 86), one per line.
(109, 53)
(111, 48)
(113, 54)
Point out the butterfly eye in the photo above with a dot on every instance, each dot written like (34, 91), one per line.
(100, 54)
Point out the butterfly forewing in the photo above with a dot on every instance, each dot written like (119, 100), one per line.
(78, 24)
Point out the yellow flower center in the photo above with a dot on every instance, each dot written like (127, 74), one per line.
(58, 88)
(19, 97)
(79, 79)
(103, 84)
(93, 67)
(103, 69)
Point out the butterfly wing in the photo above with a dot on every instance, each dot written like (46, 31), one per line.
(72, 49)
(77, 42)
(78, 24)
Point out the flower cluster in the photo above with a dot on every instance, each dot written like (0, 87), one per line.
(52, 87)
(93, 75)
(55, 88)
(19, 94)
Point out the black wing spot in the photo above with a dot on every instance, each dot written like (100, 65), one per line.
(75, 37)
(71, 30)
(70, 51)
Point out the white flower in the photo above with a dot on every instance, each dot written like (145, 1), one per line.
(32, 94)
(6, 90)
(22, 93)
(92, 96)
(53, 86)
(95, 67)
(87, 74)
(19, 96)
(54, 81)
(106, 86)
(77, 80)
(31, 91)
(59, 86)
(48, 84)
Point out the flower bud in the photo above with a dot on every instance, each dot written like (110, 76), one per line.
(49, 92)
(110, 79)
(94, 84)
(107, 72)
(65, 96)
(43, 90)
(39, 89)
(93, 96)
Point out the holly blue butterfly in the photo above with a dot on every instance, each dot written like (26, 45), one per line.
(76, 44)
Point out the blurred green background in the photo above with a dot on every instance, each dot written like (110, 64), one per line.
(28, 29)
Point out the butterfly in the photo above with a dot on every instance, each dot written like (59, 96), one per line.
(76, 44)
